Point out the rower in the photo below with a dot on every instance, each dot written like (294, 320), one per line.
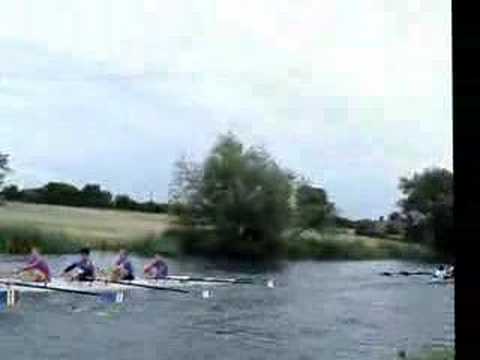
(37, 267)
(86, 269)
(123, 267)
(441, 272)
(157, 269)
(451, 272)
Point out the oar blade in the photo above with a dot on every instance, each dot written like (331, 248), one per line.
(145, 286)
(8, 298)
(111, 297)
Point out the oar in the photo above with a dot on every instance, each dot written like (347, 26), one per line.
(145, 286)
(405, 273)
(208, 279)
(65, 290)
(8, 298)
(187, 278)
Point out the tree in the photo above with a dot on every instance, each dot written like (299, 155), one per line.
(423, 191)
(242, 193)
(11, 193)
(428, 207)
(313, 210)
(184, 192)
(93, 196)
(124, 202)
(60, 194)
(3, 167)
(344, 222)
(395, 216)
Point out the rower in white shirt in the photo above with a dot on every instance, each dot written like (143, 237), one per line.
(440, 272)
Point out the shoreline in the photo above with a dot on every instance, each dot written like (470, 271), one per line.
(63, 230)
(19, 239)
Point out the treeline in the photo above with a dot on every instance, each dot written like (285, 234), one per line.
(245, 204)
(240, 202)
(91, 195)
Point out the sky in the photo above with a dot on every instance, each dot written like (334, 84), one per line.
(352, 94)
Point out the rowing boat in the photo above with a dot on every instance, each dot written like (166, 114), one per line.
(169, 281)
(97, 286)
(10, 288)
(107, 291)
(57, 283)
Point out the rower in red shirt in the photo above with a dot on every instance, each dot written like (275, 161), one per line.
(157, 269)
(37, 268)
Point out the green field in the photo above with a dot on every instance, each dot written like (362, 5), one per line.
(101, 229)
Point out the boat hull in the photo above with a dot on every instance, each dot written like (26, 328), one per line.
(98, 285)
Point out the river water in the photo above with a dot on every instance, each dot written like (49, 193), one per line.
(318, 310)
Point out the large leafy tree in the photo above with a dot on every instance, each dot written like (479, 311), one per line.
(428, 206)
(242, 193)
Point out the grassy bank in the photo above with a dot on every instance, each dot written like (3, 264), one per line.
(441, 354)
(57, 229)
(342, 244)
(337, 244)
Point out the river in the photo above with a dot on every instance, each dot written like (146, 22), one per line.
(318, 310)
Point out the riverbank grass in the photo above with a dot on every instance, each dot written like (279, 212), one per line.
(59, 229)
(439, 354)
(343, 244)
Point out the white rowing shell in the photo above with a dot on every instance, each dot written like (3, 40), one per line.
(98, 286)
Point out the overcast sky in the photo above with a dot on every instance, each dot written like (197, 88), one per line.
(351, 93)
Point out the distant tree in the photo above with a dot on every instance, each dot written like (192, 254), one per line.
(242, 193)
(124, 202)
(61, 194)
(395, 216)
(11, 193)
(185, 196)
(344, 222)
(33, 196)
(428, 207)
(3, 167)
(93, 196)
(152, 207)
(313, 210)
